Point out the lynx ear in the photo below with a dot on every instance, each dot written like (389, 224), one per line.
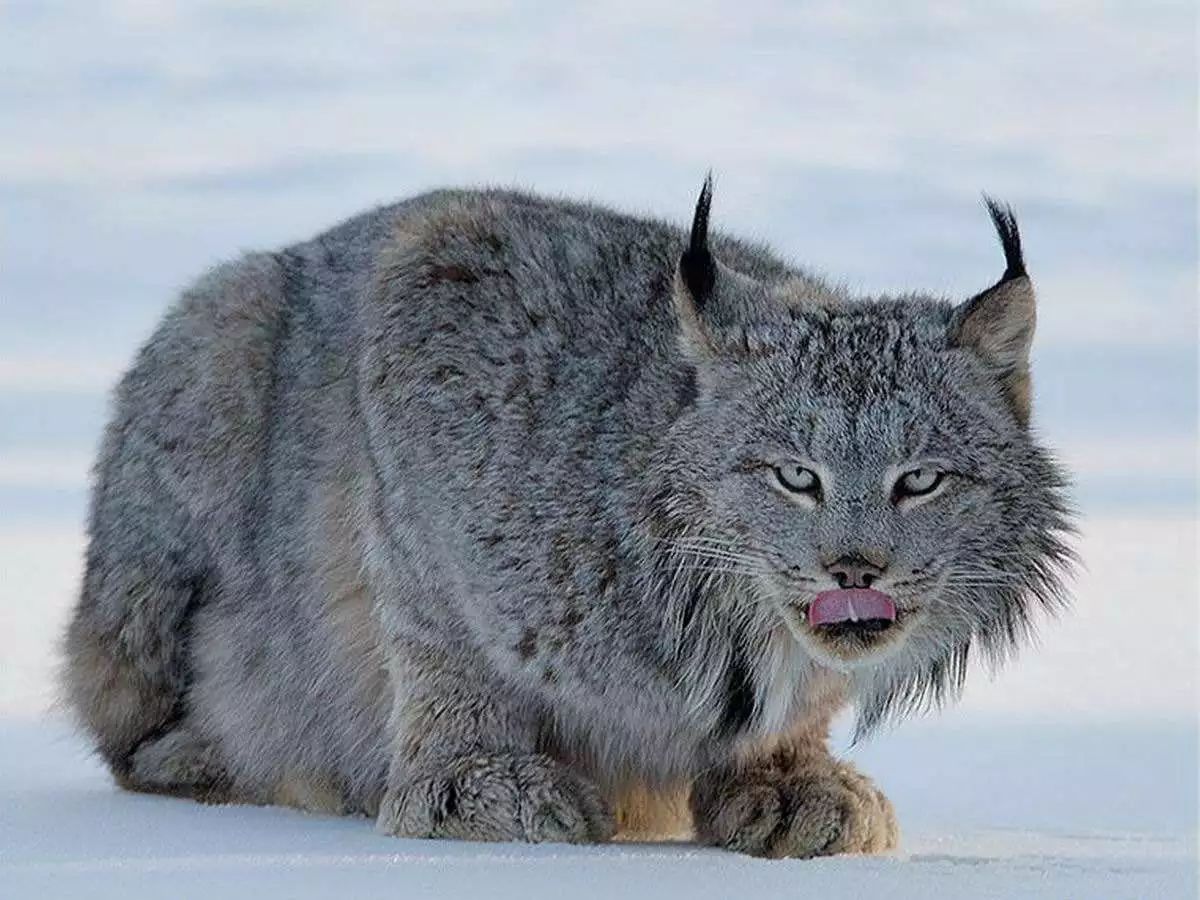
(713, 301)
(697, 268)
(998, 324)
(696, 275)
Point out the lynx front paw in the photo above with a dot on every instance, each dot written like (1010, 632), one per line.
(819, 809)
(498, 798)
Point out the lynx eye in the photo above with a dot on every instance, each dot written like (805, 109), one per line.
(797, 479)
(917, 483)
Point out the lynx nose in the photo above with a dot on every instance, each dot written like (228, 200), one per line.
(854, 572)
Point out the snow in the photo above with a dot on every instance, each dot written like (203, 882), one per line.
(66, 831)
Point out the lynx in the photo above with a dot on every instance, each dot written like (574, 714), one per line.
(499, 517)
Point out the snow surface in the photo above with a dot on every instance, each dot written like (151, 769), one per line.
(1074, 820)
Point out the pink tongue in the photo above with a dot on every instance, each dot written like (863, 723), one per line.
(850, 605)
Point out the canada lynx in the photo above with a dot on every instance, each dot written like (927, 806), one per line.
(506, 518)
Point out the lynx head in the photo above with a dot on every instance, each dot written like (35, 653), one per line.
(864, 470)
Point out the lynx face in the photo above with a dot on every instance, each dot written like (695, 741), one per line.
(868, 469)
(872, 457)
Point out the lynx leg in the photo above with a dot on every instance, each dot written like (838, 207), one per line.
(797, 802)
(467, 767)
(126, 671)
(178, 763)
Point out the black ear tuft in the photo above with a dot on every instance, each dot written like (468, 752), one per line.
(696, 265)
(1010, 238)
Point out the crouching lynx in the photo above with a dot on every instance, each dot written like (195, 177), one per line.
(505, 518)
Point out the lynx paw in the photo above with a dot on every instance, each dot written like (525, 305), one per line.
(177, 763)
(812, 810)
(498, 798)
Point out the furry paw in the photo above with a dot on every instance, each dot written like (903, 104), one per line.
(816, 809)
(498, 798)
(177, 763)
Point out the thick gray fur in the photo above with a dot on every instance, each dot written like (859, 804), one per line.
(462, 515)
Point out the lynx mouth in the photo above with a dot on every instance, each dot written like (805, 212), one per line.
(864, 628)
(851, 621)
(851, 606)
